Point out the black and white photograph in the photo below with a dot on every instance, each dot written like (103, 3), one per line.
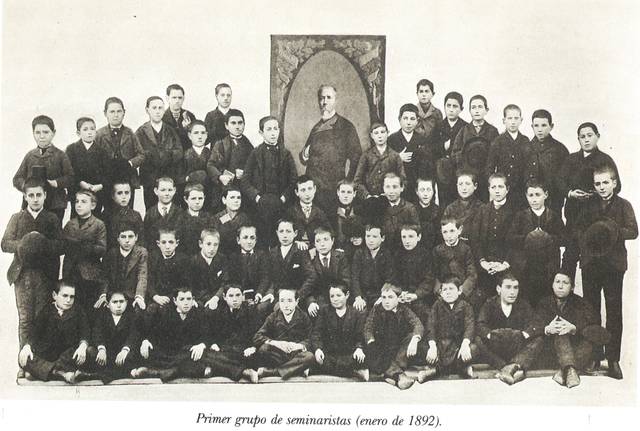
(325, 215)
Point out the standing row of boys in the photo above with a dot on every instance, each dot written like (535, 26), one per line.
(387, 243)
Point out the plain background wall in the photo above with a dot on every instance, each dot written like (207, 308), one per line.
(579, 59)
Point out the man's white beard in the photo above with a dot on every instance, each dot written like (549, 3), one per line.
(326, 114)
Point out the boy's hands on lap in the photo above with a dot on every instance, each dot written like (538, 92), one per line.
(249, 351)
(359, 303)
(319, 356)
(144, 348)
(215, 347)
(432, 353)
(80, 354)
(412, 348)
(197, 351)
(25, 355)
(161, 300)
(465, 350)
(359, 355)
(101, 357)
(212, 304)
(121, 357)
(313, 309)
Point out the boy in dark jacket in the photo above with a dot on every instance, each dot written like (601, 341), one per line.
(288, 266)
(305, 215)
(119, 211)
(448, 129)
(397, 212)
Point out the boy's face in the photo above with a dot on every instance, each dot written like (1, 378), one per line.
(167, 243)
(233, 200)
(175, 99)
(498, 189)
(466, 186)
(424, 94)
(392, 189)
(209, 246)
(379, 136)
(390, 299)
(541, 128)
(198, 135)
(117, 304)
(121, 194)
(65, 298)
(450, 233)
(306, 192)
(562, 286)
(165, 192)
(114, 114)
(234, 298)
(604, 184)
(477, 110)
(452, 109)
(35, 197)
(235, 126)
(224, 97)
(425, 192)
(536, 197)
(43, 135)
(183, 302)
(449, 292)
(270, 132)
(323, 242)
(87, 132)
(288, 302)
(508, 291)
(338, 298)
(408, 121)
(410, 238)
(195, 200)
(373, 238)
(286, 234)
(247, 238)
(346, 194)
(588, 139)
(155, 110)
(127, 239)
(84, 205)
(512, 120)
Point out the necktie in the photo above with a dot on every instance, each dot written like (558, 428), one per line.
(325, 261)
(164, 212)
(306, 209)
(478, 128)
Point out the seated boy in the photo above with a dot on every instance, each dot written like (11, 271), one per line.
(336, 337)
(85, 244)
(454, 258)
(398, 212)
(167, 269)
(571, 330)
(34, 237)
(164, 213)
(393, 333)
(57, 346)
(175, 344)
(207, 271)
(231, 342)
(89, 163)
(428, 212)
(464, 208)
(448, 129)
(329, 267)
(288, 265)
(196, 158)
(229, 220)
(114, 340)
(283, 339)
(119, 211)
(193, 220)
(451, 330)
(48, 163)
(505, 325)
(371, 268)
(348, 221)
(305, 215)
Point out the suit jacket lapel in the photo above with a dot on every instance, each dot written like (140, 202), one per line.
(148, 130)
(133, 260)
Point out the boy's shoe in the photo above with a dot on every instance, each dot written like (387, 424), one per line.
(67, 376)
(558, 377)
(404, 381)
(21, 374)
(519, 376)
(251, 375)
(207, 372)
(572, 379)
(81, 376)
(362, 374)
(506, 374)
(615, 371)
(391, 381)
(426, 374)
(305, 372)
(267, 372)
(468, 372)
(138, 373)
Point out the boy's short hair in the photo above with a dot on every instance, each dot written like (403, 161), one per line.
(542, 113)
(479, 97)
(446, 220)
(209, 232)
(165, 179)
(80, 121)
(511, 107)
(231, 188)
(605, 168)
(111, 100)
(341, 286)
(263, 120)
(221, 86)
(88, 193)
(110, 294)
(181, 289)
(120, 182)
(245, 226)
(408, 107)
(506, 275)
(410, 226)
(374, 225)
(303, 179)
(151, 99)
(32, 183)
(498, 176)
(125, 226)
(377, 124)
(168, 230)
(467, 173)
(455, 96)
(391, 176)
(424, 82)
(425, 180)
(295, 291)
(285, 220)
(43, 120)
(566, 274)
(195, 123)
(324, 86)
(58, 285)
(536, 184)
(175, 87)
(452, 280)
(591, 126)
(233, 113)
(346, 182)
(190, 187)
(323, 229)
(227, 286)
(392, 287)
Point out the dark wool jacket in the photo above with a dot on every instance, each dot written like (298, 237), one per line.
(457, 261)
(254, 179)
(128, 149)
(85, 245)
(292, 271)
(226, 155)
(492, 317)
(576, 310)
(168, 119)
(53, 334)
(131, 280)
(372, 168)
(233, 330)
(338, 335)
(277, 328)
(369, 274)
(114, 337)
(445, 322)
(391, 328)
(160, 158)
(544, 161)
